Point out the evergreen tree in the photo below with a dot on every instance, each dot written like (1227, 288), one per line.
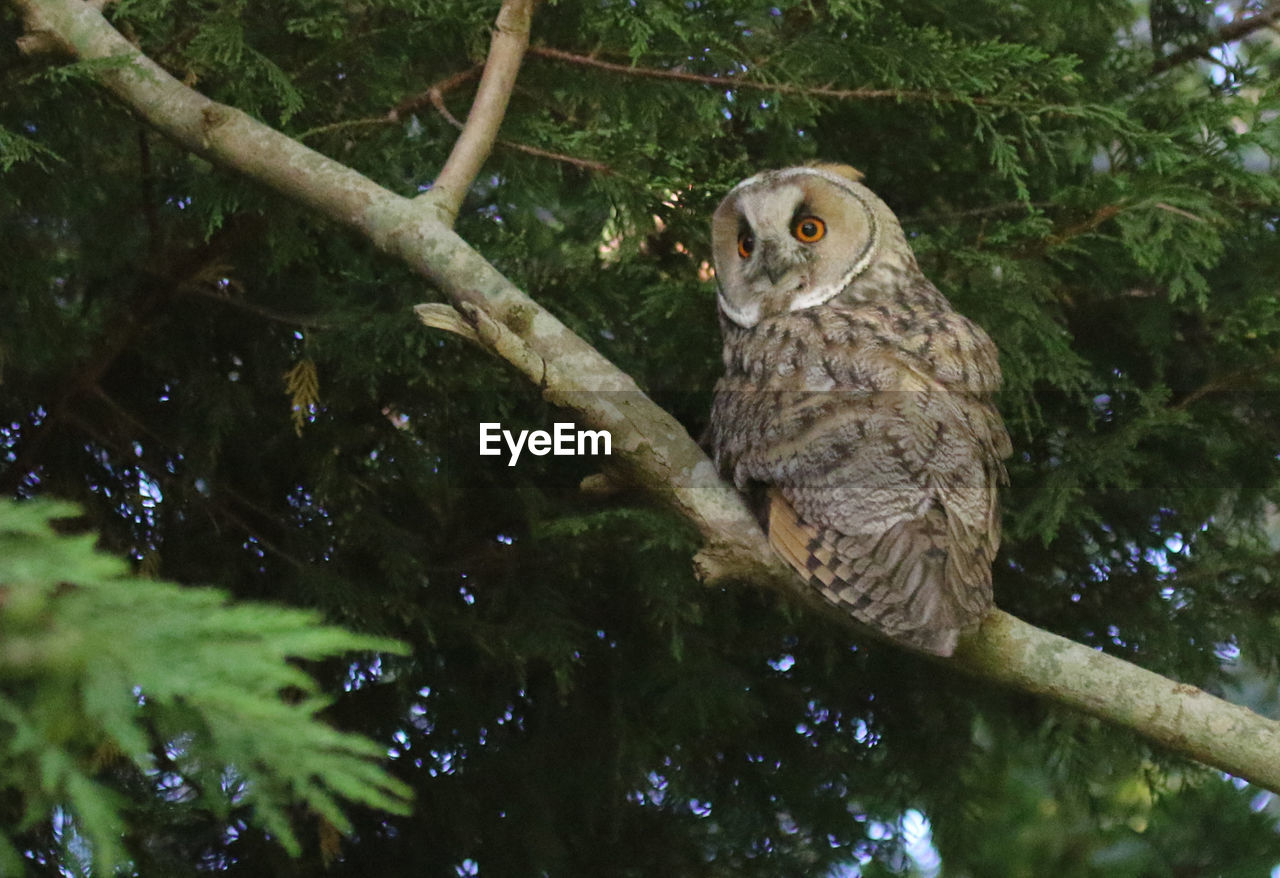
(210, 345)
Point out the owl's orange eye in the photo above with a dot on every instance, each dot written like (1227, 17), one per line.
(746, 243)
(809, 229)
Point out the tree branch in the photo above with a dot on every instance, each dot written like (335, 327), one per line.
(304, 320)
(1182, 718)
(1100, 216)
(651, 449)
(510, 38)
(734, 82)
(1228, 382)
(437, 100)
(1228, 33)
(435, 97)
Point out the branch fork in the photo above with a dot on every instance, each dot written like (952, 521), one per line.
(506, 51)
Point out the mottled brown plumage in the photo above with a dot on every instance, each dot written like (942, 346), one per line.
(861, 401)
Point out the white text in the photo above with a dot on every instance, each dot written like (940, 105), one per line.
(564, 440)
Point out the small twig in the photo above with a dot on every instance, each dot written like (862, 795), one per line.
(585, 164)
(506, 50)
(733, 82)
(1228, 33)
(1229, 381)
(433, 95)
(124, 415)
(438, 315)
(369, 121)
(1108, 211)
(255, 534)
(437, 100)
(1179, 211)
(1100, 216)
(302, 320)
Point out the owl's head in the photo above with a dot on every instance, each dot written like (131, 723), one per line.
(795, 238)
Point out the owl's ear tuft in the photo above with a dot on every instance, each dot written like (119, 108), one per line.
(849, 172)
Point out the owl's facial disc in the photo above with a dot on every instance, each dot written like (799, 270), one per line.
(789, 240)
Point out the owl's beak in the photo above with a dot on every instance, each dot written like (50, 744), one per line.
(777, 260)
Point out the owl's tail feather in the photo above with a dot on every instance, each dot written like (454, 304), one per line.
(901, 582)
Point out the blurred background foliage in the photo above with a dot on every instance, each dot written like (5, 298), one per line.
(239, 394)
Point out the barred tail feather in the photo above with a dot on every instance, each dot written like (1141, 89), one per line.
(906, 582)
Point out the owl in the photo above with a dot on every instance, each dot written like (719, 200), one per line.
(856, 410)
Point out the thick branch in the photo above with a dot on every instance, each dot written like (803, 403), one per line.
(1228, 33)
(510, 38)
(651, 449)
(1182, 718)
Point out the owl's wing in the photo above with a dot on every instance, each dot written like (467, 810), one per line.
(898, 525)
(890, 582)
(884, 492)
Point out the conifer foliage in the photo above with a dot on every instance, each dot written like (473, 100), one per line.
(220, 363)
(95, 660)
